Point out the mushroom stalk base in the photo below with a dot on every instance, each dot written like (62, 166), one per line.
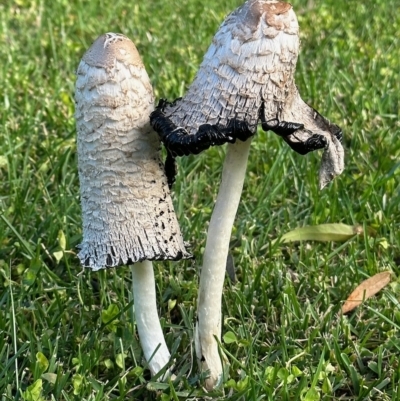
(214, 261)
(147, 320)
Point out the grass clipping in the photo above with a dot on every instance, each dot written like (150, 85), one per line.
(365, 290)
(338, 232)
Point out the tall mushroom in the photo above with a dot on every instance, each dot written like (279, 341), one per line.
(246, 77)
(127, 212)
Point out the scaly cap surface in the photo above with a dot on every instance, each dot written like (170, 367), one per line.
(127, 210)
(247, 76)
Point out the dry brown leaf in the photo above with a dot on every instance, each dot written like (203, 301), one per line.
(366, 290)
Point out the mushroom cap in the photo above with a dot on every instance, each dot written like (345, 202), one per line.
(112, 47)
(127, 211)
(252, 59)
(247, 75)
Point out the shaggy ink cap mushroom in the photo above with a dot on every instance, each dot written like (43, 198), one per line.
(247, 76)
(127, 210)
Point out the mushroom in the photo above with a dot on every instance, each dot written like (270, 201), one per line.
(246, 77)
(127, 212)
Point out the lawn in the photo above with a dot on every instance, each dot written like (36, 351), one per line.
(67, 334)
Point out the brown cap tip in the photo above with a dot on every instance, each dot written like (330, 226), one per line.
(112, 47)
(276, 13)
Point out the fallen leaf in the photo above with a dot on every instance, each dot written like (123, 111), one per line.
(366, 290)
(325, 233)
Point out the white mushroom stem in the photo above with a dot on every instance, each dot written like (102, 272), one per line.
(147, 321)
(214, 261)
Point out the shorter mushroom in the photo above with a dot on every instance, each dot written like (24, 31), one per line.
(246, 77)
(127, 211)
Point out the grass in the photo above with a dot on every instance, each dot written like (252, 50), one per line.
(67, 334)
